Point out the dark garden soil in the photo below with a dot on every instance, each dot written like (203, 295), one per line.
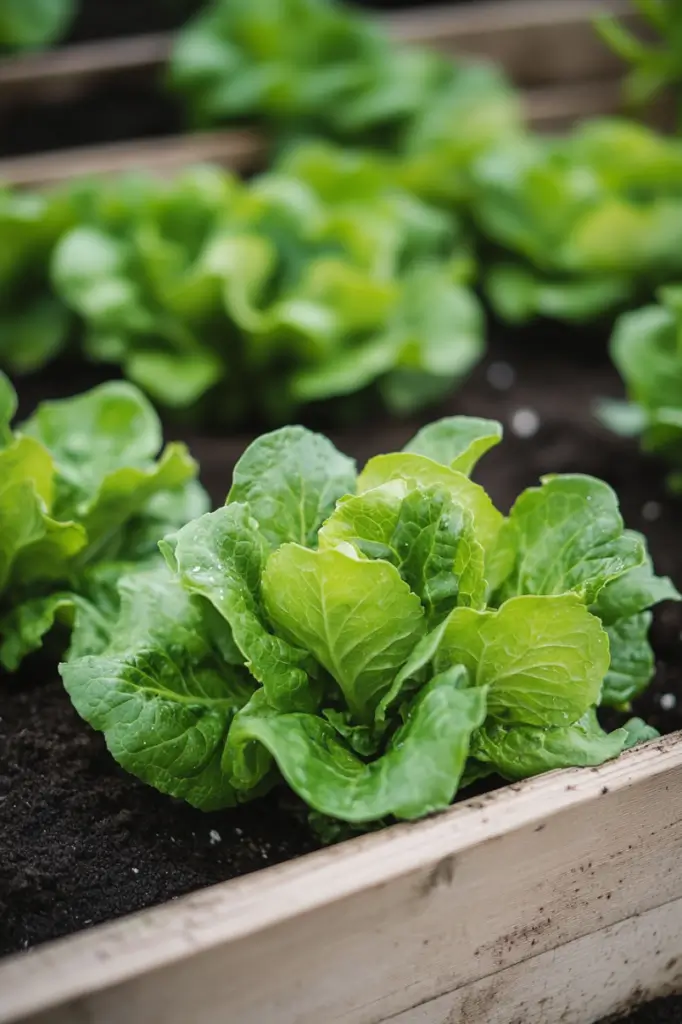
(81, 842)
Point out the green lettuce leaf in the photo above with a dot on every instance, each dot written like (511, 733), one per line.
(542, 659)
(79, 487)
(456, 441)
(424, 533)
(418, 774)
(221, 557)
(361, 620)
(623, 607)
(418, 470)
(291, 480)
(162, 694)
(569, 536)
(521, 751)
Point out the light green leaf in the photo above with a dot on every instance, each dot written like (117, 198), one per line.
(221, 557)
(412, 672)
(419, 773)
(456, 441)
(521, 751)
(25, 460)
(439, 556)
(569, 536)
(367, 521)
(290, 480)
(358, 618)
(111, 427)
(30, 541)
(420, 471)
(161, 694)
(542, 659)
(175, 379)
(103, 444)
(125, 492)
(428, 537)
(51, 549)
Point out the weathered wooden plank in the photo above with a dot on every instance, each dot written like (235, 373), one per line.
(382, 925)
(241, 151)
(608, 972)
(556, 109)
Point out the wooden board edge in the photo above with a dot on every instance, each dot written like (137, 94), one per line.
(229, 912)
(243, 151)
(608, 972)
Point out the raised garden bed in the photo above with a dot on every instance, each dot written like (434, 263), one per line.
(535, 902)
(581, 905)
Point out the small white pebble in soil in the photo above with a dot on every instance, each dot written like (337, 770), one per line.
(668, 701)
(239, 831)
(651, 511)
(214, 837)
(500, 376)
(135, 871)
(525, 422)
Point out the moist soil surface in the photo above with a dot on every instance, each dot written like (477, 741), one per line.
(81, 842)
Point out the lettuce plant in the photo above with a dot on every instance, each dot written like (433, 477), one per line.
(583, 224)
(376, 640)
(34, 324)
(83, 499)
(319, 67)
(313, 282)
(646, 347)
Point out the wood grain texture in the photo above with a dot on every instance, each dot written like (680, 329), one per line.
(384, 925)
(635, 960)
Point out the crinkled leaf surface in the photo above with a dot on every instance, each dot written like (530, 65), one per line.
(290, 480)
(221, 557)
(456, 441)
(520, 751)
(418, 470)
(424, 533)
(162, 694)
(358, 618)
(542, 659)
(569, 536)
(632, 660)
(418, 774)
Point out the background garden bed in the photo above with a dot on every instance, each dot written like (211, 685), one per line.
(109, 91)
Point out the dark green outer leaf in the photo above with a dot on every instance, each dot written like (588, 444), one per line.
(221, 558)
(418, 775)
